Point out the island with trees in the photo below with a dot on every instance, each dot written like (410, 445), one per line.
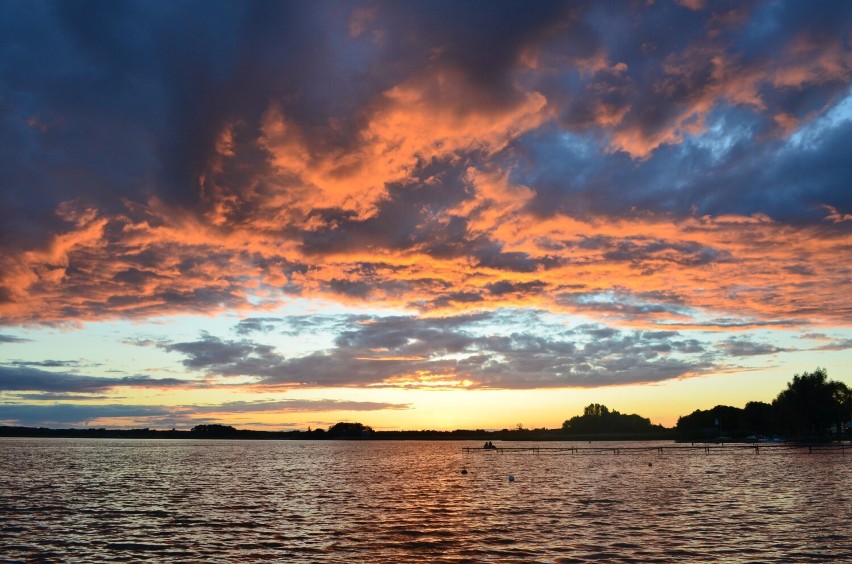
(811, 408)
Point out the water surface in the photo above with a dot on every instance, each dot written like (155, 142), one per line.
(95, 500)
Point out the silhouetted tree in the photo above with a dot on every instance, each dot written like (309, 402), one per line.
(812, 405)
(710, 423)
(596, 410)
(214, 430)
(349, 430)
(598, 418)
(757, 419)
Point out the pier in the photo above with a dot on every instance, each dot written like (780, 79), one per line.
(676, 449)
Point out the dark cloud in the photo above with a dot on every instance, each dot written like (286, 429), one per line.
(705, 94)
(415, 213)
(836, 345)
(48, 363)
(257, 325)
(742, 346)
(68, 414)
(295, 405)
(457, 298)
(227, 358)
(86, 80)
(412, 352)
(12, 339)
(482, 41)
(622, 302)
(733, 324)
(25, 378)
(641, 252)
(587, 356)
(155, 96)
(724, 172)
(354, 288)
(505, 287)
(54, 396)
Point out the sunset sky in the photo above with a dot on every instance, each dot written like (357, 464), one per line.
(419, 215)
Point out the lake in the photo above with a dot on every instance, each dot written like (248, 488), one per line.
(95, 500)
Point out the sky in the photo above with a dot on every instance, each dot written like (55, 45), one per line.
(419, 215)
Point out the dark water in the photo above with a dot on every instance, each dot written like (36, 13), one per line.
(96, 500)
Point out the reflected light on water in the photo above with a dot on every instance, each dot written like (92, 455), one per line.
(394, 501)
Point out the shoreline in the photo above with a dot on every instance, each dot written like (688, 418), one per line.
(427, 435)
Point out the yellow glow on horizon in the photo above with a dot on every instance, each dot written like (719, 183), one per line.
(445, 408)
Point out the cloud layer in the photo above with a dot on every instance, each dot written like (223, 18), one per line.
(509, 350)
(158, 416)
(434, 156)
(659, 169)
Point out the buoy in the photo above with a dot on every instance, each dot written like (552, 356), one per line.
(511, 478)
(464, 471)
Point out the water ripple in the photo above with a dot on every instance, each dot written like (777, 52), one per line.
(226, 501)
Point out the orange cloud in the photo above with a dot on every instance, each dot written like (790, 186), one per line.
(646, 270)
(693, 5)
(248, 244)
(421, 119)
(813, 60)
(836, 217)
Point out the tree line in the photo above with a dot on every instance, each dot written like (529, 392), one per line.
(811, 407)
(599, 419)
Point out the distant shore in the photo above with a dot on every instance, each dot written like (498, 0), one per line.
(319, 434)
